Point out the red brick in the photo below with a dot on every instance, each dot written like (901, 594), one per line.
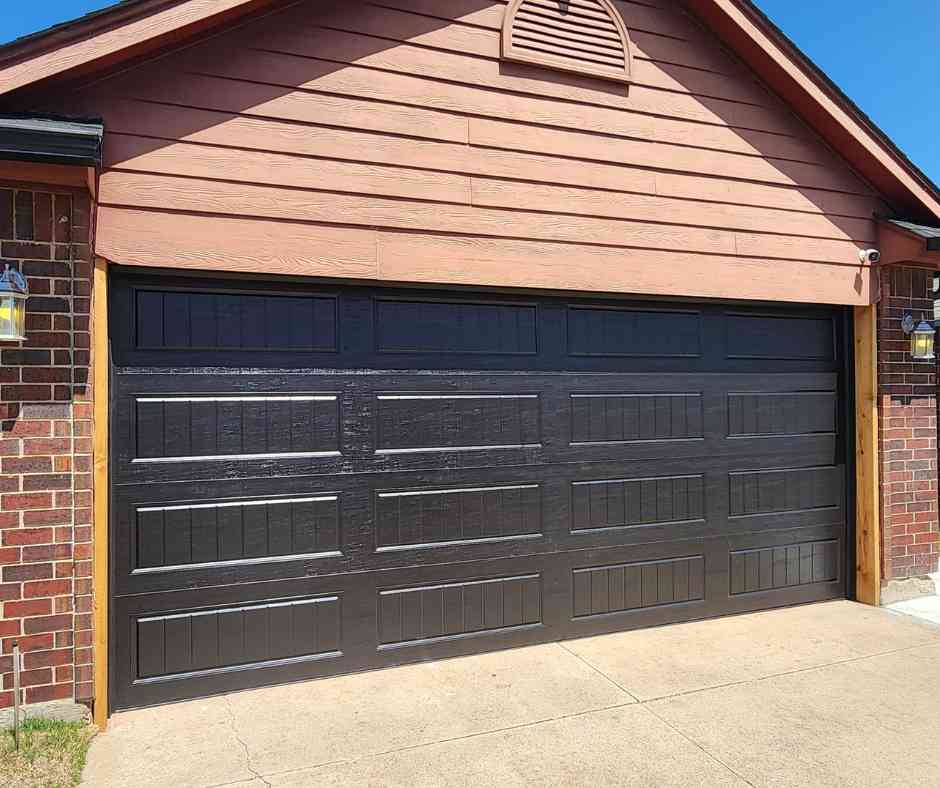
(21, 536)
(34, 626)
(46, 374)
(29, 607)
(26, 464)
(47, 588)
(12, 392)
(47, 517)
(30, 643)
(47, 552)
(10, 591)
(46, 446)
(48, 659)
(26, 501)
(47, 481)
(9, 555)
(29, 678)
(48, 692)
(27, 572)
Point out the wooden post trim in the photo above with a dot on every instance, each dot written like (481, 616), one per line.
(867, 515)
(101, 366)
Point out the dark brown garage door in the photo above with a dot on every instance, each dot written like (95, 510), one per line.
(311, 479)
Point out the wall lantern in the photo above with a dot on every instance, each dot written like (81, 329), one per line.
(922, 337)
(13, 295)
(936, 300)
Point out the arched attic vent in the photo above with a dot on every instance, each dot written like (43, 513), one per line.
(583, 36)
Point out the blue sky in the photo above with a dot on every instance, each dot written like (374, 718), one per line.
(884, 55)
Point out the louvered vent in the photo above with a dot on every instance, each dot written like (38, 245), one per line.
(583, 36)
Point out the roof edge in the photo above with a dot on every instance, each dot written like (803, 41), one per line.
(790, 72)
(51, 140)
(111, 35)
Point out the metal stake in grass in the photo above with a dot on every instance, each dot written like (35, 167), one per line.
(16, 695)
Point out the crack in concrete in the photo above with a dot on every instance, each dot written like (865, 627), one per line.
(451, 739)
(234, 727)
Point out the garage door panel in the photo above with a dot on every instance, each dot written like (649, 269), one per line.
(322, 525)
(755, 493)
(180, 535)
(756, 334)
(314, 480)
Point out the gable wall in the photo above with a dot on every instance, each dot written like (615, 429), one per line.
(387, 141)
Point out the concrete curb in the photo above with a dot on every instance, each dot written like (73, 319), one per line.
(64, 710)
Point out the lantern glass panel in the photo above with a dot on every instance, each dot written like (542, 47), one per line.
(922, 344)
(12, 317)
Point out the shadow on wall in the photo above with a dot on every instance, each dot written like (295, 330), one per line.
(397, 85)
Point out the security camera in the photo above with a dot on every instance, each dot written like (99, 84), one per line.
(869, 256)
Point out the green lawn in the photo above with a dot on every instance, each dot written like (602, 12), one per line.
(51, 755)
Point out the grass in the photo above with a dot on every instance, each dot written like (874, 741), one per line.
(51, 754)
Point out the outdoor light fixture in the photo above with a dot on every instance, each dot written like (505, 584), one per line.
(922, 337)
(936, 300)
(13, 295)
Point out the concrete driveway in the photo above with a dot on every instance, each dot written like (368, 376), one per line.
(833, 694)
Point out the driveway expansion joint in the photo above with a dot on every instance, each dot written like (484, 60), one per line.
(807, 669)
(601, 673)
(708, 753)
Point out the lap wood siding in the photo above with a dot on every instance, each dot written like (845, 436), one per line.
(410, 475)
(388, 141)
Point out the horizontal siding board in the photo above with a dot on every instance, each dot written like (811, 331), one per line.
(160, 239)
(517, 136)
(152, 191)
(216, 128)
(141, 154)
(269, 101)
(551, 198)
(476, 86)
(231, 244)
(533, 264)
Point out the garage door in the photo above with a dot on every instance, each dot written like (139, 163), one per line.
(311, 480)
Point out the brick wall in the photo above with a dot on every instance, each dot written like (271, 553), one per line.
(908, 430)
(45, 448)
